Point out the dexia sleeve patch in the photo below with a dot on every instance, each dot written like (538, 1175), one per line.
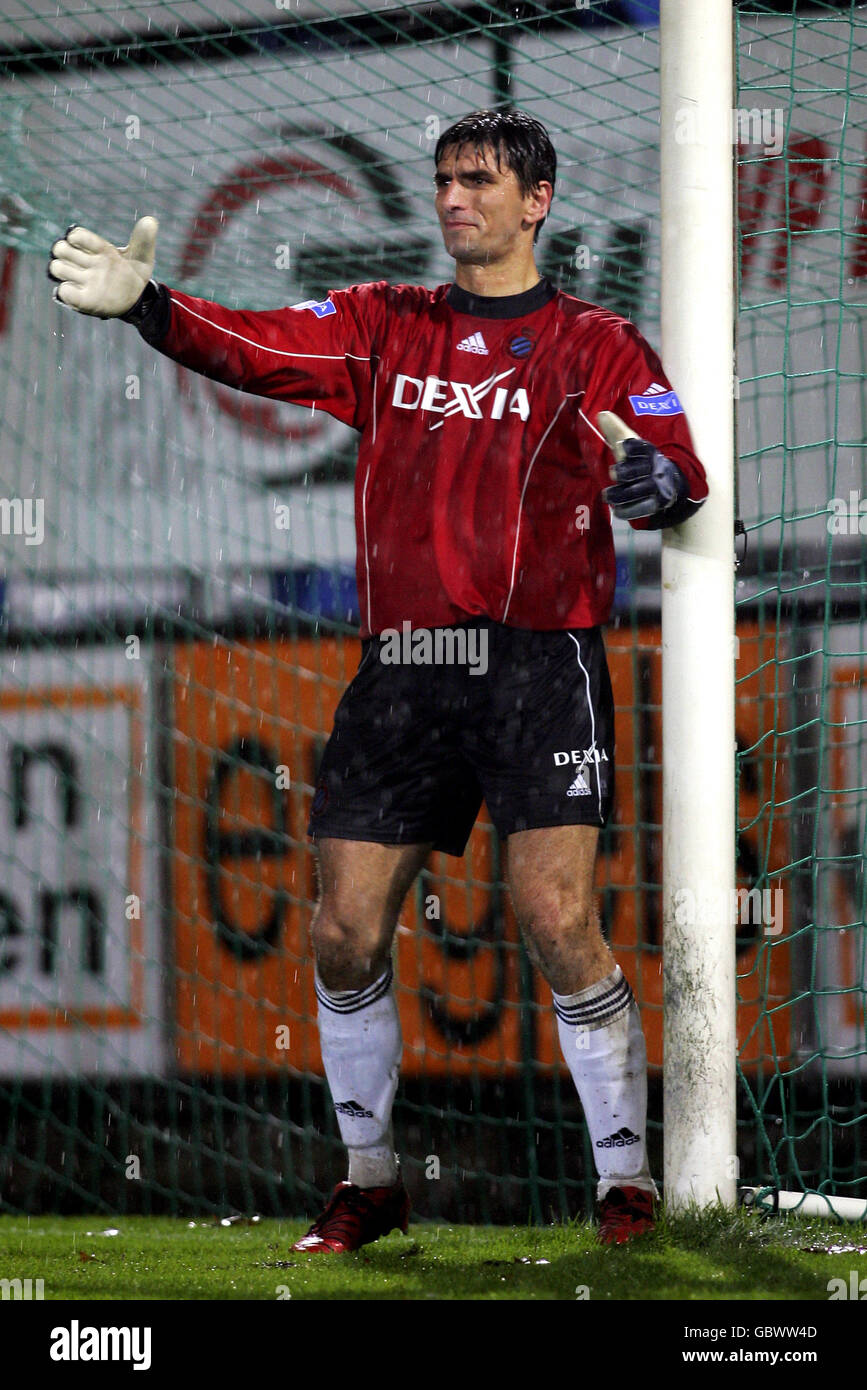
(320, 307)
(656, 402)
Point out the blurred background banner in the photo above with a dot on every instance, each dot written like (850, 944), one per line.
(81, 959)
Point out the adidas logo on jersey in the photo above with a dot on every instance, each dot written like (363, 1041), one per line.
(474, 343)
(579, 787)
(619, 1140)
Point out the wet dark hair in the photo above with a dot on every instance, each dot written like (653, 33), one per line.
(519, 139)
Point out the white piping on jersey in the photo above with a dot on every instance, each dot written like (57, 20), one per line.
(589, 422)
(318, 356)
(475, 393)
(279, 352)
(364, 502)
(592, 720)
(366, 554)
(567, 397)
(375, 374)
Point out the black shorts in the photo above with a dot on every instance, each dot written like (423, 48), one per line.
(421, 737)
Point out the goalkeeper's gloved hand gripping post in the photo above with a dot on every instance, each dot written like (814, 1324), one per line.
(646, 483)
(94, 277)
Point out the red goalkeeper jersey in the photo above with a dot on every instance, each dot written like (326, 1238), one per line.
(480, 464)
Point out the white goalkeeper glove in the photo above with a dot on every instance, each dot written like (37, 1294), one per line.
(97, 278)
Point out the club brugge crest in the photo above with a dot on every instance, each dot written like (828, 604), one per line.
(521, 343)
(319, 211)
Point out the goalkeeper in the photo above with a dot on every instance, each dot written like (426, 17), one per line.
(500, 422)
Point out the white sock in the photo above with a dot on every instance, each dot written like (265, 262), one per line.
(359, 1034)
(603, 1044)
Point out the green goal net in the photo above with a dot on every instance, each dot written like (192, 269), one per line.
(179, 608)
(802, 423)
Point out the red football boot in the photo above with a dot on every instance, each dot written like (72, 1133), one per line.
(625, 1212)
(355, 1216)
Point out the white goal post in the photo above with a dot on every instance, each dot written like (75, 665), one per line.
(697, 193)
(824, 1205)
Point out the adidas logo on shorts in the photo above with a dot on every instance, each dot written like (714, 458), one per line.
(579, 787)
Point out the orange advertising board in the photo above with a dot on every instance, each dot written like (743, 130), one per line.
(629, 868)
(841, 964)
(250, 721)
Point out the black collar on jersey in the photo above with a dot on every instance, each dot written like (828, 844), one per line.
(508, 306)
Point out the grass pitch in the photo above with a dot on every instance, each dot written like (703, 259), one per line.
(716, 1255)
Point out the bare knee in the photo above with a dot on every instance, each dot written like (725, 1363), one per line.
(362, 888)
(565, 943)
(551, 879)
(350, 952)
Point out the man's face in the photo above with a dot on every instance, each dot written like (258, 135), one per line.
(481, 209)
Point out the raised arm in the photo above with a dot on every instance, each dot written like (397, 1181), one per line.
(318, 353)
